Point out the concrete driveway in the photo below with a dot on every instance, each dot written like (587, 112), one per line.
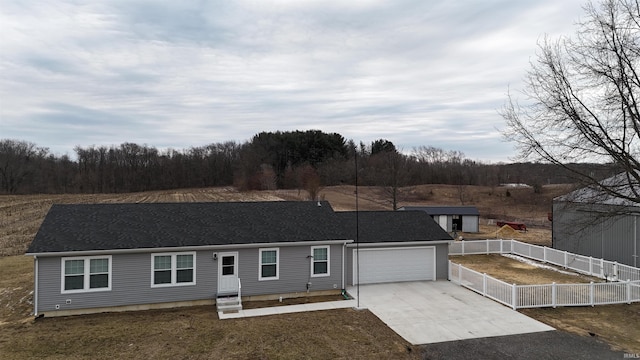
(425, 312)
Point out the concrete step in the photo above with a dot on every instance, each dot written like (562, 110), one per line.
(227, 304)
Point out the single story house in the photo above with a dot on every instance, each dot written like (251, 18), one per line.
(452, 218)
(590, 222)
(116, 257)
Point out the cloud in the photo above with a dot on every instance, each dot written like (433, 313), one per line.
(183, 74)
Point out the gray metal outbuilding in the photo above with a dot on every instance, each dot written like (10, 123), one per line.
(590, 223)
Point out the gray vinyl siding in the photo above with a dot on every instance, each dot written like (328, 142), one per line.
(131, 279)
(294, 271)
(131, 284)
(579, 230)
(442, 261)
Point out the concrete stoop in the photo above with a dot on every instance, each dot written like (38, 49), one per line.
(228, 304)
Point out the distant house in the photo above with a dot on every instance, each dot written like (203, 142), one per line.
(592, 223)
(450, 218)
(114, 257)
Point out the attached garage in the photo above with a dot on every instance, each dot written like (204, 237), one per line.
(394, 264)
(394, 246)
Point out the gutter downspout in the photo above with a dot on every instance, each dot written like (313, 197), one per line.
(35, 287)
(635, 241)
(344, 245)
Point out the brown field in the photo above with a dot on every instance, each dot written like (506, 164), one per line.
(197, 333)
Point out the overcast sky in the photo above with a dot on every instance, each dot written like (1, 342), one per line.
(189, 73)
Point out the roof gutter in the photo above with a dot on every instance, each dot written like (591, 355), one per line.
(189, 248)
(408, 243)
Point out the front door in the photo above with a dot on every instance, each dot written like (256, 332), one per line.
(228, 273)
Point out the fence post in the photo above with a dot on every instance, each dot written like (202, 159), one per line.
(591, 295)
(462, 248)
(615, 271)
(602, 268)
(514, 296)
(501, 247)
(590, 266)
(484, 284)
(487, 242)
(544, 254)
(553, 294)
(628, 291)
(459, 275)
(565, 259)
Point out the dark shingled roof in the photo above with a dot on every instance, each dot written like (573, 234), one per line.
(86, 227)
(90, 227)
(391, 226)
(445, 210)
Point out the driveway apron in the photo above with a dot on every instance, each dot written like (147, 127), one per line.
(426, 312)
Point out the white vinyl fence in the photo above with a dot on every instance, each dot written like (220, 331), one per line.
(600, 268)
(547, 295)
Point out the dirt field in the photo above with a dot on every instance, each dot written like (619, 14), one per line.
(196, 332)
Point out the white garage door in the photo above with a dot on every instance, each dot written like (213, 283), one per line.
(395, 264)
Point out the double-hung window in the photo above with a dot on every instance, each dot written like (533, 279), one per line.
(269, 266)
(173, 269)
(85, 274)
(319, 261)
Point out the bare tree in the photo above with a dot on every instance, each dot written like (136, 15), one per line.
(16, 159)
(389, 170)
(582, 99)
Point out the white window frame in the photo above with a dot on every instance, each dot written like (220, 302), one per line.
(328, 260)
(277, 277)
(86, 274)
(174, 269)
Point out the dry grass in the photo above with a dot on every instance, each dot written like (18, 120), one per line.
(618, 325)
(517, 272)
(16, 288)
(196, 333)
(537, 236)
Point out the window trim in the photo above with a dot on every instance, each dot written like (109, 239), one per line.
(328, 247)
(87, 274)
(174, 269)
(260, 277)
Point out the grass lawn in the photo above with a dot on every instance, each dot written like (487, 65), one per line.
(618, 325)
(516, 272)
(186, 333)
(197, 333)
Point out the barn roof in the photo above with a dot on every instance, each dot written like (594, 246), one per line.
(620, 183)
(445, 210)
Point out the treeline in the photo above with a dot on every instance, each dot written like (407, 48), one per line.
(270, 160)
